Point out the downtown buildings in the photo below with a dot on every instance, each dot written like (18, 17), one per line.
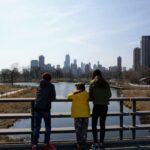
(141, 56)
(71, 68)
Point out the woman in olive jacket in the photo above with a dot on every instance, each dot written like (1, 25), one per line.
(99, 93)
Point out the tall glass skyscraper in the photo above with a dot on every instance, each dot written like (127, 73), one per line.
(136, 59)
(119, 64)
(41, 61)
(145, 56)
(67, 61)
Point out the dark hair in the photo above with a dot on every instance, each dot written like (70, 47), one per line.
(46, 76)
(98, 73)
(101, 81)
(80, 86)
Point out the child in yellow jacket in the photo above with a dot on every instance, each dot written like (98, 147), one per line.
(80, 111)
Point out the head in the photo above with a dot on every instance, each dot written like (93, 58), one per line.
(98, 73)
(46, 76)
(80, 86)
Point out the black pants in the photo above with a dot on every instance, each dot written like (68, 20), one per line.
(99, 111)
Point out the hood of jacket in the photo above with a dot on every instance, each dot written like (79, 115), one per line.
(44, 83)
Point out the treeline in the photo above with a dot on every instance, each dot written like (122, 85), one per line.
(26, 75)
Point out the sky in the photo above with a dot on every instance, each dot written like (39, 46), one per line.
(87, 30)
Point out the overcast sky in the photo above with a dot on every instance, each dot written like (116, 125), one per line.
(88, 30)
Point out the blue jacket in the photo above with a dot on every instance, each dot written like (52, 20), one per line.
(45, 94)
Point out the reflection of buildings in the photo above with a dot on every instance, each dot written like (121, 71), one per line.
(145, 52)
(136, 58)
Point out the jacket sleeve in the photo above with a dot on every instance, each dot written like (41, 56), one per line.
(90, 93)
(70, 96)
(109, 92)
(53, 93)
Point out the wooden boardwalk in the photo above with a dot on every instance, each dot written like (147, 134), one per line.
(109, 145)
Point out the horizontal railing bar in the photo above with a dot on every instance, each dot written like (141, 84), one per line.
(70, 129)
(65, 100)
(67, 115)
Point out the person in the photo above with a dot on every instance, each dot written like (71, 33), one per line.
(45, 94)
(80, 111)
(99, 94)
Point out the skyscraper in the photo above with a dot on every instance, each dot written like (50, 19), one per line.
(34, 63)
(136, 58)
(119, 64)
(41, 61)
(67, 61)
(145, 52)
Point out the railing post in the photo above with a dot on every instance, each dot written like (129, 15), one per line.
(134, 120)
(121, 119)
(32, 118)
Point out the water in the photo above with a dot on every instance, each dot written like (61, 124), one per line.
(62, 89)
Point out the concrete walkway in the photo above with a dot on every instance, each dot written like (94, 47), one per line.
(109, 145)
(10, 93)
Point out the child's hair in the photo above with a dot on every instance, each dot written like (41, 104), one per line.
(46, 76)
(80, 86)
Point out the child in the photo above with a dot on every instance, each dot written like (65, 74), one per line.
(45, 94)
(80, 111)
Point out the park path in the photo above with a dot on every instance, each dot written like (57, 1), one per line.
(10, 93)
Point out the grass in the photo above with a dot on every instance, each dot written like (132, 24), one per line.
(14, 108)
(140, 105)
(8, 88)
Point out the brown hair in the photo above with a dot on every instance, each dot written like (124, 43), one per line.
(46, 76)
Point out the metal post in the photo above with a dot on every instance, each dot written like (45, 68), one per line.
(32, 118)
(121, 119)
(134, 120)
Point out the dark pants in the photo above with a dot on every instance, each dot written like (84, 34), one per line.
(37, 122)
(81, 125)
(99, 111)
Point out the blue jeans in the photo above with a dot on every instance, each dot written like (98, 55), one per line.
(37, 122)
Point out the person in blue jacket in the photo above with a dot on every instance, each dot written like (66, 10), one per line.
(42, 109)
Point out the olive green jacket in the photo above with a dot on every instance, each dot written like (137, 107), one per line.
(99, 95)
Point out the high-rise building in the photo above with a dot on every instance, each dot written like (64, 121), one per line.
(67, 61)
(41, 61)
(34, 63)
(145, 52)
(74, 68)
(119, 64)
(137, 59)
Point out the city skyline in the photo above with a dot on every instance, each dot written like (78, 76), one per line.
(89, 31)
(69, 61)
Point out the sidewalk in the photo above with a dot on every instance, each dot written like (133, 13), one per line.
(12, 92)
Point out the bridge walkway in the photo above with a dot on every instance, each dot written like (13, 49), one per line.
(109, 145)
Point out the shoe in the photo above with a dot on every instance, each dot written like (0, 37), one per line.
(50, 147)
(94, 146)
(101, 144)
(80, 147)
(34, 147)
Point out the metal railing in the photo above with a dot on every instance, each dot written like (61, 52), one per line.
(120, 127)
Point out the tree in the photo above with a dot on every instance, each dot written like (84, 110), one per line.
(5, 75)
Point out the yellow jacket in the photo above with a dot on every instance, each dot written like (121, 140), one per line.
(80, 104)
